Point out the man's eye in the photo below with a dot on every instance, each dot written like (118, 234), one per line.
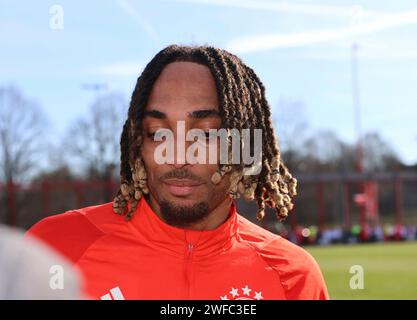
(158, 135)
(206, 134)
(203, 135)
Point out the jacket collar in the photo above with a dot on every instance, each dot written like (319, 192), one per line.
(179, 241)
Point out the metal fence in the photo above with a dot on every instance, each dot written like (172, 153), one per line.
(323, 200)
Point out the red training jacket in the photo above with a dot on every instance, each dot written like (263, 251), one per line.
(145, 258)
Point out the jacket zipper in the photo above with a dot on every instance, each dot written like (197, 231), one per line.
(187, 269)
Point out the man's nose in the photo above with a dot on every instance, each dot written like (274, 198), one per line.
(181, 145)
(178, 165)
(180, 154)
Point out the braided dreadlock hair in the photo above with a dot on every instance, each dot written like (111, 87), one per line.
(242, 106)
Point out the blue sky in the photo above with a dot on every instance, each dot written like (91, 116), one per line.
(300, 49)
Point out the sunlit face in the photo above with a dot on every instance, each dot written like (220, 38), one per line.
(184, 91)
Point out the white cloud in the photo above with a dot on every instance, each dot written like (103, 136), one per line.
(272, 41)
(289, 7)
(139, 18)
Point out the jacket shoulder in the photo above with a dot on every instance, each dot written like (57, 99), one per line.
(73, 232)
(299, 273)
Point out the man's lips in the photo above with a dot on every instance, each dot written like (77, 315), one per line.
(181, 187)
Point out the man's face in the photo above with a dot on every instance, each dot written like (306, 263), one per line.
(182, 193)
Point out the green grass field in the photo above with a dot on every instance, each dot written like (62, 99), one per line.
(390, 270)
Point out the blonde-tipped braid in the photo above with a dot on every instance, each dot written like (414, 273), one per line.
(235, 178)
(260, 213)
(119, 204)
(279, 190)
(219, 174)
(131, 192)
(225, 168)
(247, 186)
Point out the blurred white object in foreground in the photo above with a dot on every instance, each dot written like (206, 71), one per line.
(31, 271)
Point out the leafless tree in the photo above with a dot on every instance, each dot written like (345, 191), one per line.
(378, 154)
(94, 140)
(290, 123)
(324, 151)
(292, 129)
(22, 128)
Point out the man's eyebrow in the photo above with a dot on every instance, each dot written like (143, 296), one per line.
(154, 114)
(204, 113)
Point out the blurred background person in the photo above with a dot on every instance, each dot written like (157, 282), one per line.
(31, 271)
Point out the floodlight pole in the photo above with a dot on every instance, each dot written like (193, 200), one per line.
(358, 129)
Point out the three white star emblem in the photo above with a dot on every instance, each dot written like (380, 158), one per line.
(234, 294)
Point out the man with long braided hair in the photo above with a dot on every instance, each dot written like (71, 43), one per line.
(172, 231)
